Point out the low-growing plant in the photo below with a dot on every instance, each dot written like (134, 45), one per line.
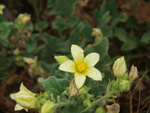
(73, 90)
(86, 81)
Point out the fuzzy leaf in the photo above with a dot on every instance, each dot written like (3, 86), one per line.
(71, 109)
(59, 23)
(54, 85)
(63, 7)
(41, 26)
(132, 23)
(121, 34)
(130, 45)
(29, 27)
(5, 29)
(31, 45)
(146, 38)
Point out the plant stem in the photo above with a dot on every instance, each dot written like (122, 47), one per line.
(94, 103)
(35, 6)
(67, 103)
(99, 100)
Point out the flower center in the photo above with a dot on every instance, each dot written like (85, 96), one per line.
(81, 67)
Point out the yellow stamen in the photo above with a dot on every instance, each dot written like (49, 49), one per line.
(81, 67)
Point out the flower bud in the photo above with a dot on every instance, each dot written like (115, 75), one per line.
(133, 73)
(25, 99)
(48, 107)
(100, 110)
(114, 108)
(52, 97)
(87, 102)
(29, 61)
(119, 67)
(19, 61)
(42, 101)
(124, 86)
(24, 18)
(58, 99)
(46, 96)
(61, 59)
(1, 8)
(16, 52)
(82, 93)
(96, 32)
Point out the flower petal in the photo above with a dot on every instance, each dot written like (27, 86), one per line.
(79, 80)
(94, 73)
(13, 96)
(68, 66)
(23, 88)
(77, 53)
(91, 59)
(18, 107)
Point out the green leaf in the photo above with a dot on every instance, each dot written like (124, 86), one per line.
(99, 88)
(106, 60)
(83, 30)
(71, 109)
(128, 46)
(63, 7)
(146, 38)
(59, 23)
(107, 7)
(54, 85)
(2, 19)
(46, 66)
(5, 29)
(29, 27)
(121, 18)
(107, 75)
(121, 34)
(105, 19)
(111, 6)
(50, 3)
(102, 49)
(88, 83)
(103, 24)
(41, 26)
(107, 32)
(51, 44)
(71, 22)
(31, 45)
(132, 23)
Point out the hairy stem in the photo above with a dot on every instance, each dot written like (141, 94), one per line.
(94, 103)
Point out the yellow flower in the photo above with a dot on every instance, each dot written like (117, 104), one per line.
(48, 107)
(1, 9)
(119, 67)
(82, 66)
(24, 18)
(25, 99)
